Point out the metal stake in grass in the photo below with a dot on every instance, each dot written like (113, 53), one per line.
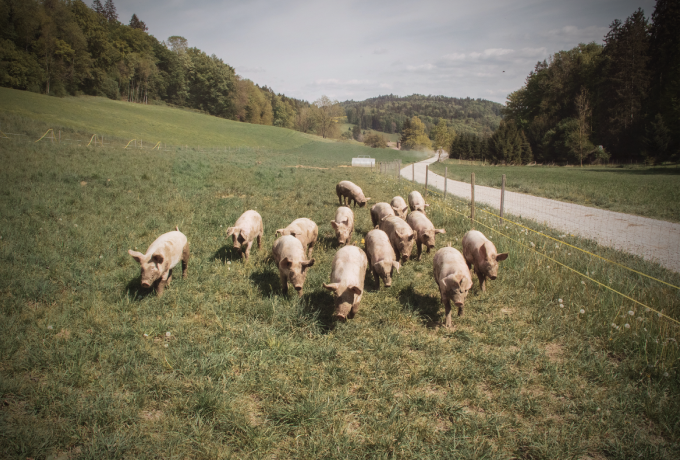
(446, 175)
(500, 221)
(472, 200)
(427, 173)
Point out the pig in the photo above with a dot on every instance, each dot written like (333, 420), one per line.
(348, 191)
(416, 201)
(161, 257)
(347, 281)
(381, 256)
(380, 210)
(399, 206)
(289, 255)
(304, 230)
(453, 278)
(244, 231)
(401, 236)
(424, 230)
(343, 224)
(481, 253)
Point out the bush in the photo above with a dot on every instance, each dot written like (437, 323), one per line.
(375, 140)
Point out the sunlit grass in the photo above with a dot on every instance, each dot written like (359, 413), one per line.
(87, 366)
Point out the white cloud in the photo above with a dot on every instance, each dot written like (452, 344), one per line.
(380, 51)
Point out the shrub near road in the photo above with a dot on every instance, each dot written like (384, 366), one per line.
(224, 365)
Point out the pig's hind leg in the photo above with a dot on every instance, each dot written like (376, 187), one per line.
(185, 260)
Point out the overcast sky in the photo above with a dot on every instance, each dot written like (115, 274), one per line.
(361, 49)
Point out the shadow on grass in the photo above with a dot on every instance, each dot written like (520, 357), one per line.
(639, 171)
(318, 306)
(135, 290)
(228, 253)
(427, 307)
(267, 281)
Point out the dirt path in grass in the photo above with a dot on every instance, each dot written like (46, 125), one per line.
(651, 239)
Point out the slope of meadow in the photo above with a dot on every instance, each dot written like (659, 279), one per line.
(225, 366)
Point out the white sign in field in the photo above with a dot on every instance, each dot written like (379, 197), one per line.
(363, 160)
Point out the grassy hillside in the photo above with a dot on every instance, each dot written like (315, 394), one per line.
(225, 366)
(32, 114)
(645, 191)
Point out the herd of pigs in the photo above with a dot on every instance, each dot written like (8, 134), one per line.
(388, 246)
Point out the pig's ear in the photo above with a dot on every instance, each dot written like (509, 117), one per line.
(405, 209)
(355, 289)
(243, 234)
(308, 263)
(331, 287)
(396, 265)
(334, 224)
(231, 231)
(176, 228)
(395, 209)
(158, 258)
(138, 256)
(413, 235)
(502, 256)
(279, 231)
(439, 230)
(482, 251)
(383, 219)
(427, 205)
(368, 199)
(285, 263)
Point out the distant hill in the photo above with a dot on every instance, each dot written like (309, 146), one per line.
(387, 113)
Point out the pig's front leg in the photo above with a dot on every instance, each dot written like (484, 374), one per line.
(259, 241)
(482, 281)
(420, 249)
(447, 307)
(247, 251)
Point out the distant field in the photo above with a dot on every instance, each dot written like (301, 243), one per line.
(644, 191)
(390, 137)
(225, 366)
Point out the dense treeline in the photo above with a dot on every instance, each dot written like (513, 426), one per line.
(620, 100)
(389, 113)
(64, 47)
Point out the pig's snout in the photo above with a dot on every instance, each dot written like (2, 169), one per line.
(146, 284)
(458, 304)
(492, 277)
(340, 317)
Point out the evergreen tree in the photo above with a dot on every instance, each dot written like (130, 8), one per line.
(665, 70)
(98, 8)
(110, 11)
(135, 23)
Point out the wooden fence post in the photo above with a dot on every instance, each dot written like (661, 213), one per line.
(502, 198)
(413, 172)
(446, 175)
(427, 171)
(472, 200)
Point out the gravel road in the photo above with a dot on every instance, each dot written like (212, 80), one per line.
(653, 240)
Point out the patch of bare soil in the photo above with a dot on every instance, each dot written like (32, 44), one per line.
(305, 167)
(554, 352)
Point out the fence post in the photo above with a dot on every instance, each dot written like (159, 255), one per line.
(427, 173)
(472, 199)
(446, 175)
(413, 172)
(502, 198)
(60, 136)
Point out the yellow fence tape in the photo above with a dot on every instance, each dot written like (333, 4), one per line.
(45, 134)
(129, 143)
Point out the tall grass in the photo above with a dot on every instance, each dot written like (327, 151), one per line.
(87, 366)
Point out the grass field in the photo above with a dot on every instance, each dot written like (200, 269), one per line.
(225, 366)
(645, 191)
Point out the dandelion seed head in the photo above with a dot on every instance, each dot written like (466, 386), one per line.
(582, 311)
(165, 345)
(168, 334)
(631, 312)
(146, 335)
(627, 326)
(614, 325)
(50, 327)
(665, 374)
(583, 282)
(532, 244)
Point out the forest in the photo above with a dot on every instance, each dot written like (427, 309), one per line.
(618, 101)
(65, 47)
(389, 113)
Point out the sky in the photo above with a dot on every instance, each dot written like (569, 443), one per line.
(361, 49)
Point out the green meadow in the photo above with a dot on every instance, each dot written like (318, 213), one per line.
(649, 191)
(92, 366)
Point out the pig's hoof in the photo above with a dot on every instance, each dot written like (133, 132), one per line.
(340, 318)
